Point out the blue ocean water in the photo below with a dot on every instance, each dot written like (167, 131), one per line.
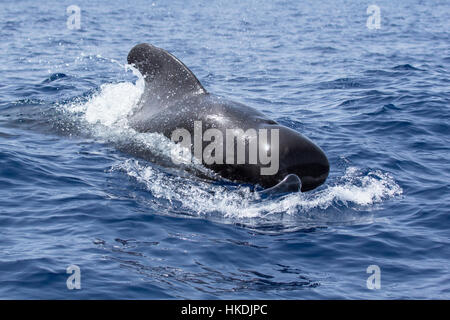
(375, 100)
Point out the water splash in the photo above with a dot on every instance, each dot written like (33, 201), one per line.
(353, 189)
(111, 105)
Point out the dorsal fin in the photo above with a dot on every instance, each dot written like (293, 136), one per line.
(166, 78)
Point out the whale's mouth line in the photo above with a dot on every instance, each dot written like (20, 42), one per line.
(290, 184)
(312, 175)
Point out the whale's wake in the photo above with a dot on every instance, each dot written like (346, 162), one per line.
(344, 199)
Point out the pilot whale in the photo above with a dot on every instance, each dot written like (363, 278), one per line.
(174, 103)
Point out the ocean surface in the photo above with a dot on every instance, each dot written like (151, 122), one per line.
(375, 100)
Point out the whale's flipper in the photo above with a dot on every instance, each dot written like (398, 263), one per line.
(291, 183)
(167, 79)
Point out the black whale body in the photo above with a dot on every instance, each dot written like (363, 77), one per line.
(174, 98)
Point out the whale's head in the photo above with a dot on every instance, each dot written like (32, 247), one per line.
(290, 153)
(281, 152)
(300, 156)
